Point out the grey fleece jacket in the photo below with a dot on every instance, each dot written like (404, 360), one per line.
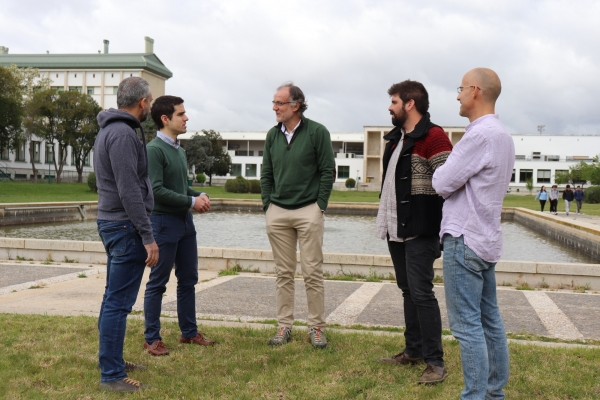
(121, 167)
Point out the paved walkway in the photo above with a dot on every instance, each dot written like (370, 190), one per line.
(75, 289)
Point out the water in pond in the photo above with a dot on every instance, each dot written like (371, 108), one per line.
(343, 234)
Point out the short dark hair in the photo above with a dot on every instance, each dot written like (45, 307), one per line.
(411, 90)
(164, 105)
(296, 96)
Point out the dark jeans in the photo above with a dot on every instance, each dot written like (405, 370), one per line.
(124, 269)
(175, 236)
(579, 203)
(553, 204)
(413, 264)
(542, 204)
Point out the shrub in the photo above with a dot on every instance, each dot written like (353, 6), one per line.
(254, 186)
(201, 178)
(237, 185)
(592, 195)
(91, 181)
(350, 183)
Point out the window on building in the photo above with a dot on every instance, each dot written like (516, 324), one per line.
(60, 89)
(236, 170)
(560, 172)
(519, 157)
(4, 153)
(355, 148)
(260, 153)
(75, 89)
(244, 153)
(543, 176)
(343, 172)
(49, 154)
(20, 151)
(86, 160)
(62, 155)
(512, 178)
(90, 90)
(525, 175)
(250, 170)
(36, 151)
(115, 89)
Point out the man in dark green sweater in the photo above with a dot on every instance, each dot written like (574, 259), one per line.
(172, 226)
(296, 180)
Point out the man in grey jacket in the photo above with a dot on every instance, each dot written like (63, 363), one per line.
(125, 202)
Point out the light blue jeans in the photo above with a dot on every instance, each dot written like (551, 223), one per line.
(475, 321)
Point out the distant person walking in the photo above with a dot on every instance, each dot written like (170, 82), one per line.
(125, 202)
(578, 195)
(542, 195)
(409, 217)
(553, 196)
(474, 181)
(568, 197)
(296, 180)
(173, 227)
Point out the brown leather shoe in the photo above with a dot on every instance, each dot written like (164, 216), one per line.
(402, 358)
(433, 374)
(157, 348)
(198, 339)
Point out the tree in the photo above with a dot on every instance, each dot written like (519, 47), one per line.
(45, 121)
(529, 185)
(81, 127)
(11, 109)
(63, 118)
(207, 154)
(580, 174)
(29, 83)
(149, 128)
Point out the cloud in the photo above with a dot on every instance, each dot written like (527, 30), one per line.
(229, 56)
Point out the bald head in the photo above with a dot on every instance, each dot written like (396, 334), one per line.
(488, 81)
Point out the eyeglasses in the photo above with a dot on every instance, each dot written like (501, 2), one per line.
(282, 103)
(461, 88)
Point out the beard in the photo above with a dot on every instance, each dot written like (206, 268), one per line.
(144, 115)
(399, 119)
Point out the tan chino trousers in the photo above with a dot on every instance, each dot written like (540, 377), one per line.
(285, 228)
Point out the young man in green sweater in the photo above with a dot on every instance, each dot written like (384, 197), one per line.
(296, 180)
(172, 226)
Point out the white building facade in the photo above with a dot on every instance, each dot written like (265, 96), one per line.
(538, 157)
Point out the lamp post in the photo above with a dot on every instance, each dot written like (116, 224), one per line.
(357, 179)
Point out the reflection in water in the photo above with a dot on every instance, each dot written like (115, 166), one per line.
(343, 234)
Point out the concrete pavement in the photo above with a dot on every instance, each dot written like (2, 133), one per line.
(76, 289)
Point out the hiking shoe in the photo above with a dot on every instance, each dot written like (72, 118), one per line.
(433, 374)
(402, 359)
(198, 339)
(157, 348)
(283, 336)
(129, 366)
(124, 385)
(317, 338)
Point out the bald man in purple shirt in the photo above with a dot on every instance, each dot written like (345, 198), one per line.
(473, 181)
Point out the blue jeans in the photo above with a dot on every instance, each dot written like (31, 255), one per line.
(175, 236)
(413, 265)
(470, 286)
(124, 269)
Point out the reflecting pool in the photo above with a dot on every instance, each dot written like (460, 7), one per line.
(343, 234)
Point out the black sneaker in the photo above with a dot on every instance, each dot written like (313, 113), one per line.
(124, 385)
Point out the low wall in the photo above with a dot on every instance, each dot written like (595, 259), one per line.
(39, 213)
(256, 206)
(507, 272)
(581, 236)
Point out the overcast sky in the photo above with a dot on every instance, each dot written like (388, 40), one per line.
(228, 57)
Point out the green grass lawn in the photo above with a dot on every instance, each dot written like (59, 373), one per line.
(55, 357)
(17, 192)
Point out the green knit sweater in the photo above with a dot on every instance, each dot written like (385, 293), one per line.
(300, 173)
(167, 168)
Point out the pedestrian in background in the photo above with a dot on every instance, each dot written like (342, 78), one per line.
(578, 195)
(568, 198)
(542, 196)
(553, 195)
